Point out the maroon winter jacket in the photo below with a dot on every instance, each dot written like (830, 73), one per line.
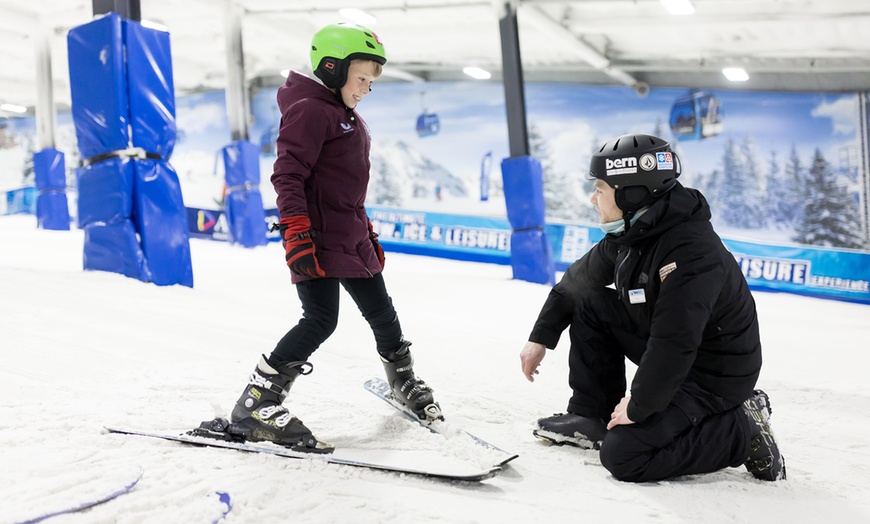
(322, 171)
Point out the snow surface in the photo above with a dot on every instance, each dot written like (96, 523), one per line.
(85, 349)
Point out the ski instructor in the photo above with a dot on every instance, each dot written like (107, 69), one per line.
(663, 291)
(321, 175)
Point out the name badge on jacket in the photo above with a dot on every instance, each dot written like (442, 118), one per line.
(636, 296)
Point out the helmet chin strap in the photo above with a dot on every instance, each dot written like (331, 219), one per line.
(626, 217)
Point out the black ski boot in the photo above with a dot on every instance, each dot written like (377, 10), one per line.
(568, 428)
(259, 415)
(765, 462)
(406, 387)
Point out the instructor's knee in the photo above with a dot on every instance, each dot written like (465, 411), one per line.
(614, 459)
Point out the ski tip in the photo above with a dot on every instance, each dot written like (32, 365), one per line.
(490, 473)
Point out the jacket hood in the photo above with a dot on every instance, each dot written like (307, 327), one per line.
(680, 204)
(298, 87)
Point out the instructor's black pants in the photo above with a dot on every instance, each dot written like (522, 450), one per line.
(320, 306)
(698, 432)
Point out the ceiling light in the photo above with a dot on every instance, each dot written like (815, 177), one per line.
(13, 108)
(357, 16)
(477, 73)
(679, 7)
(735, 74)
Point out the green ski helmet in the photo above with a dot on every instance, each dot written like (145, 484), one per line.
(334, 46)
(641, 168)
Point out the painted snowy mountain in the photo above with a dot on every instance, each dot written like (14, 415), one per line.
(400, 173)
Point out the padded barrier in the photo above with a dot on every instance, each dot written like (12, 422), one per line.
(124, 115)
(114, 247)
(98, 85)
(52, 208)
(246, 217)
(158, 207)
(165, 242)
(151, 89)
(105, 201)
(531, 258)
(105, 192)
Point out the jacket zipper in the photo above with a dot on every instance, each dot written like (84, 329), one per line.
(619, 270)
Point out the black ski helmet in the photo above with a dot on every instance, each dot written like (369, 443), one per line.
(641, 168)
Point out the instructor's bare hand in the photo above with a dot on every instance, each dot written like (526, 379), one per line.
(620, 414)
(531, 357)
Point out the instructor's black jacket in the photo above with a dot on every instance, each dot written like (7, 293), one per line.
(690, 300)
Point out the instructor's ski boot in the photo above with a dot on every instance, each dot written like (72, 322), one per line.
(259, 416)
(568, 428)
(411, 391)
(765, 462)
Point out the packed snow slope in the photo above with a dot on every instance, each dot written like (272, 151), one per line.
(81, 350)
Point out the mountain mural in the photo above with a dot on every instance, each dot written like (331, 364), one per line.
(400, 174)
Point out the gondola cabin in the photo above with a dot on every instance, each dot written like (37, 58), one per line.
(428, 125)
(696, 117)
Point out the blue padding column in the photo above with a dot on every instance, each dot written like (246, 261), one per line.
(245, 215)
(130, 202)
(52, 208)
(151, 89)
(98, 85)
(162, 220)
(531, 258)
(105, 206)
(160, 215)
(100, 111)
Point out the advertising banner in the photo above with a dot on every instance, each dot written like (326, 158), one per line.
(22, 200)
(821, 272)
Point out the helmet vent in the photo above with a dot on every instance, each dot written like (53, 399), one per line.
(635, 141)
(370, 45)
(615, 145)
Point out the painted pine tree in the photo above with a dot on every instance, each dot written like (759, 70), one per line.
(561, 196)
(755, 184)
(830, 214)
(785, 191)
(740, 193)
(794, 184)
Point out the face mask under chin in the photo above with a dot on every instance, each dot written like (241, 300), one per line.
(617, 227)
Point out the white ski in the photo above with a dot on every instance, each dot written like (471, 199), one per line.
(381, 389)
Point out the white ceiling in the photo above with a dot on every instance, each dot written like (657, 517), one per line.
(803, 45)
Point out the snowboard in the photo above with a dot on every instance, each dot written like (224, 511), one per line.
(381, 389)
(422, 463)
